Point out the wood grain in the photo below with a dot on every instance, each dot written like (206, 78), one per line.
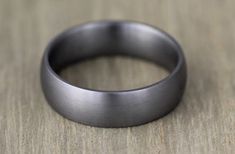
(204, 121)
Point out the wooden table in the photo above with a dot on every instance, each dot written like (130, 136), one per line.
(204, 122)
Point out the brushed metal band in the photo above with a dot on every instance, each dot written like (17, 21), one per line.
(113, 108)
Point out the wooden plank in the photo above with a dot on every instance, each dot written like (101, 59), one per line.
(202, 123)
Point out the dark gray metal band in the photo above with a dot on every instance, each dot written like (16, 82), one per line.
(113, 108)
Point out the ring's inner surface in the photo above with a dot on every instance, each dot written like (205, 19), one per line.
(104, 39)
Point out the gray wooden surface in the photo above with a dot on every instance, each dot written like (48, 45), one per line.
(204, 122)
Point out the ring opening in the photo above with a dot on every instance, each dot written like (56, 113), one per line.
(113, 73)
(111, 39)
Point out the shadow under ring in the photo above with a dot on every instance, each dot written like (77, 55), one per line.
(113, 108)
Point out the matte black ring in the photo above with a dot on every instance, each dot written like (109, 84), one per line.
(113, 108)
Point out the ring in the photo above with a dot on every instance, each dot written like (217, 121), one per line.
(113, 108)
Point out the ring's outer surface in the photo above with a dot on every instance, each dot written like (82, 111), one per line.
(113, 108)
